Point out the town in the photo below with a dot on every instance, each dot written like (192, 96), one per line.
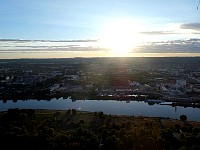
(156, 79)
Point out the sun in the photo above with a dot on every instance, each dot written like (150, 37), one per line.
(120, 36)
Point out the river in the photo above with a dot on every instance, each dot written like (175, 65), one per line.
(108, 107)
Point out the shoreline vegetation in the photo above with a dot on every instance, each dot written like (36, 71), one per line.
(72, 129)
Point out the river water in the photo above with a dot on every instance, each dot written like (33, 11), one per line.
(107, 106)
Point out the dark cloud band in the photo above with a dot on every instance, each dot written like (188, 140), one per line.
(193, 26)
(158, 32)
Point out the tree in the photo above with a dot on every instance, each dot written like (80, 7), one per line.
(183, 117)
(74, 112)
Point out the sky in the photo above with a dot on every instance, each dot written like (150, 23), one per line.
(92, 19)
(122, 26)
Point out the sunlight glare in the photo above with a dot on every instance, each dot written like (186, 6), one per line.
(121, 36)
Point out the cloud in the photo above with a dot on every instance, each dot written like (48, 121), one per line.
(176, 46)
(187, 28)
(37, 46)
(193, 26)
(159, 32)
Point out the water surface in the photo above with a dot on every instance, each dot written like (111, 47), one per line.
(108, 107)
